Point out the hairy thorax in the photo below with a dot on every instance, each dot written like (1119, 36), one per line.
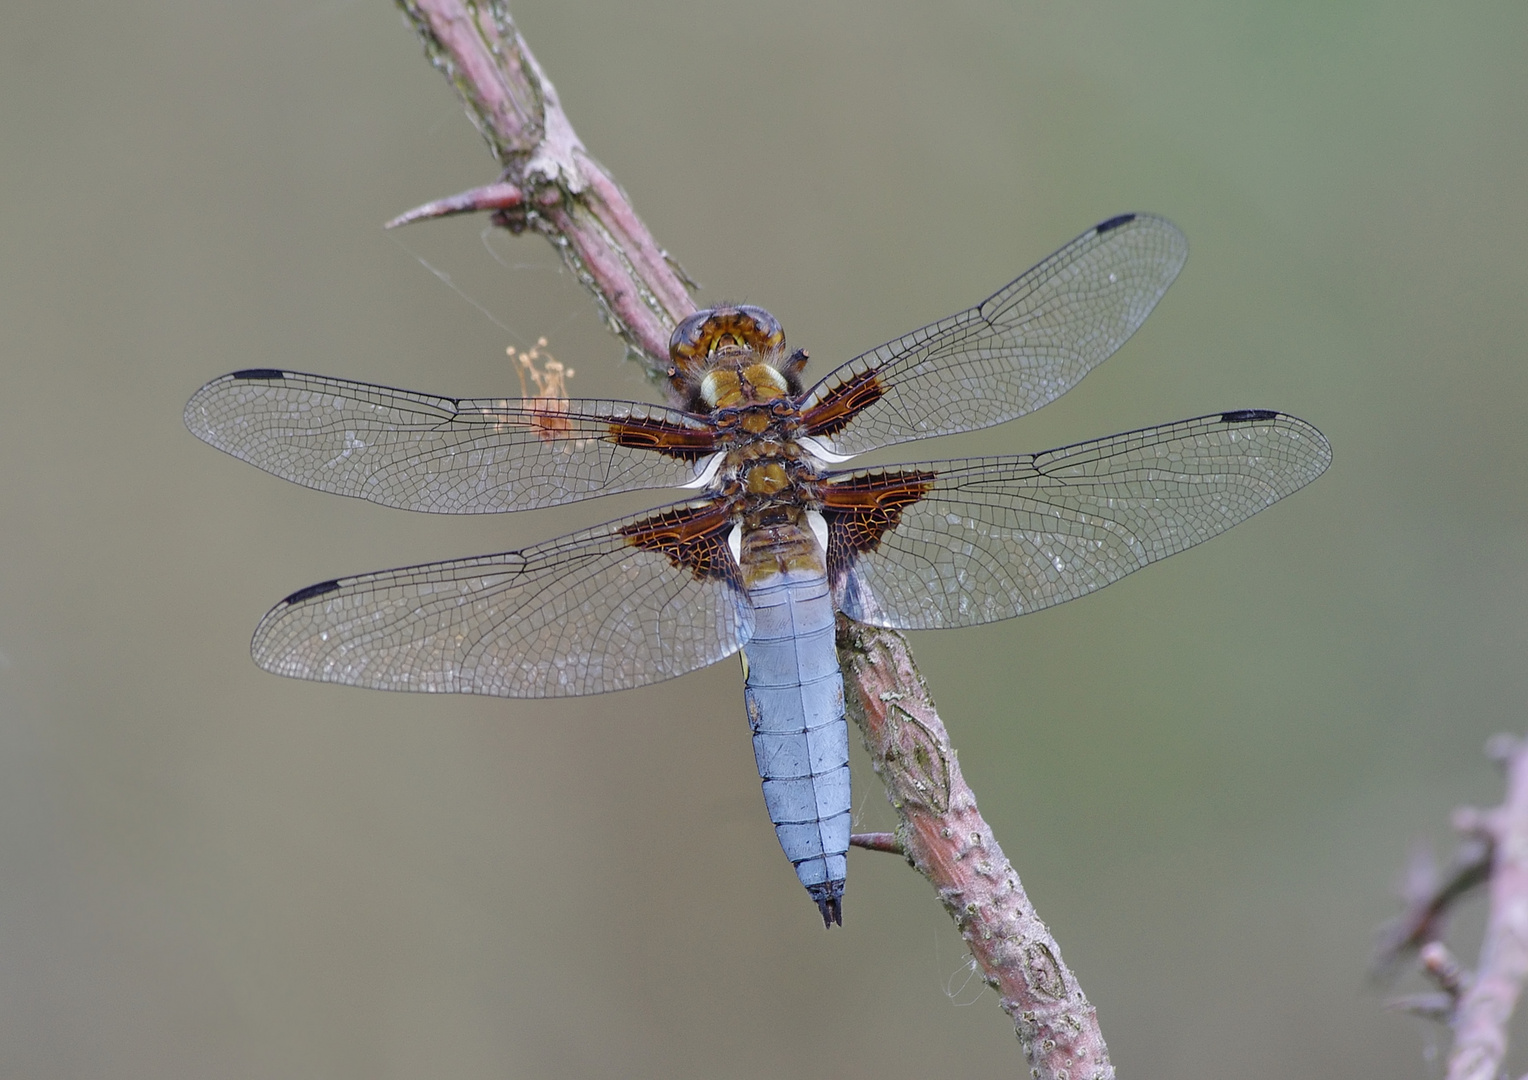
(771, 481)
(731, 363)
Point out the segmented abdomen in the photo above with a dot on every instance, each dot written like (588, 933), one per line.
(795, 698)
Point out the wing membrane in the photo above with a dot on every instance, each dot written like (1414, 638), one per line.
(1024, 346)
(625, 604)
(443, 455)
(956, 543)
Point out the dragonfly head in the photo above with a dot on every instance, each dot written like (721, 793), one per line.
(731, 356)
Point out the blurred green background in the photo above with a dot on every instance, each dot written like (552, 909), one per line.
(1208, 775)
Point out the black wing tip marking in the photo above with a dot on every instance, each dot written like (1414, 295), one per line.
(1113, 223)
(310, 592)
(1248, 416)
(258, 373)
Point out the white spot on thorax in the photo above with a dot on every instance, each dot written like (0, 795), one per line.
(819, 450)
(708, 390)
(819, 526)
(707, 472)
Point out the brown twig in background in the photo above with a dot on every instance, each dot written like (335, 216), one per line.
(1429, 897)
(1476, 1005)
(551, 185)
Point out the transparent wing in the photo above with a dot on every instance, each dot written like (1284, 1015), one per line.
(625, 604)
(1025, 346)
(443, 455)
(955, 543)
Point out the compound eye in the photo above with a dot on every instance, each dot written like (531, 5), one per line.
(704, 333)
(686, 336)
(758, 329)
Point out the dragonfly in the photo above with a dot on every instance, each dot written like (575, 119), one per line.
(770, 533)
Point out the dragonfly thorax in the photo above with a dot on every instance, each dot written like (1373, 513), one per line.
(767, 469)
(752, 381)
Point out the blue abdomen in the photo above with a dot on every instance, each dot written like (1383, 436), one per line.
(795, 698)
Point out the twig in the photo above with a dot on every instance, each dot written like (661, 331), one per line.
(1485, 1007)
(1429, 899)
(1478, 1006)
(552, 185)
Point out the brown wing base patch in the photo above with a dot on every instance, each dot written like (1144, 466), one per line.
(842, 404)
(861, 509)
(691, 538)
(645, 433)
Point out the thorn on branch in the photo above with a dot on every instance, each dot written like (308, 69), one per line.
(878, 841)
(501, 195)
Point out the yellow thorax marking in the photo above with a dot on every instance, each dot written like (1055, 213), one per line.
(767, 479)
(767, 383)
(726, 388)
(721, 389)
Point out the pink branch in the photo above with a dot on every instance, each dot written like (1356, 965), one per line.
(944, 837)
(564, 194)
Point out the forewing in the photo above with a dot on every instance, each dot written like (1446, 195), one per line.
(443, 455)
(628, 603)
(1025, 346)
(955, 543)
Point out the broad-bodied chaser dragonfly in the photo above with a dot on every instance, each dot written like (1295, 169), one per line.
(770, 537)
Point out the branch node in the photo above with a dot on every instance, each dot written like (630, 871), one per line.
(1446, 973)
